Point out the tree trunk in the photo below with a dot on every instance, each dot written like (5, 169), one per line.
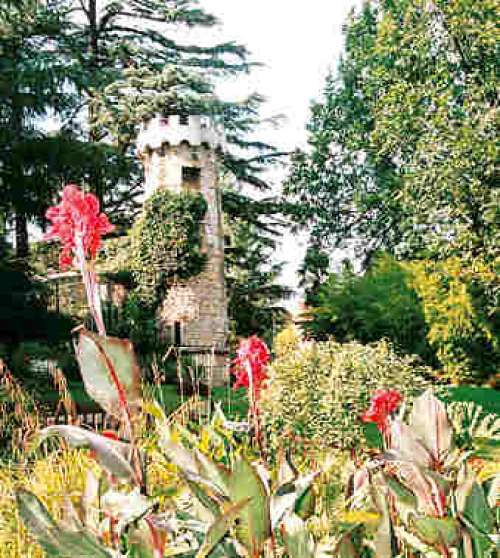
(22, 245)
(93, 50)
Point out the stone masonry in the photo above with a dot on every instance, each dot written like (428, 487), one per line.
(180, 153)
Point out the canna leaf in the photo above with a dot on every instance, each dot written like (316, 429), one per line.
(385, 543)
(402, 494)
(216, 473)
(38, 521)
(220, 527)
(109, 371)
(125, 507)
(254, 527)
(430, 422)
(287, 496)
(56, 541)
(407, 446)
(89, 501)
(437, 531)
(477, 510)
(346, 548)
(112, 455)
(176, 453)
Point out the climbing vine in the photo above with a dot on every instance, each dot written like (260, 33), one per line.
(166, 242)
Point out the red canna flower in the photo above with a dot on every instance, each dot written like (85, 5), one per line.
(250, 364)
(78, 224)
(382, 405)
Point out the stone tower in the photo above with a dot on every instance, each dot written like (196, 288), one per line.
(179, 152)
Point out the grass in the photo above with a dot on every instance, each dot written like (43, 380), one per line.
(488, 398)
(235, 405)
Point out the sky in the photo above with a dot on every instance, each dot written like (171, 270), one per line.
(298, 43)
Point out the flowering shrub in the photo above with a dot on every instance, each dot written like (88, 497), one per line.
(320, 390)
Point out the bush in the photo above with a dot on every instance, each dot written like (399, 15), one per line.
(320, 390)
(460, 308)
(445, 312)
(380, 304)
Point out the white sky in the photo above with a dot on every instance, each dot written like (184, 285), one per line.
(298, 42)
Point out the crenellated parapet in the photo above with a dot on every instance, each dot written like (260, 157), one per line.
(174, 130)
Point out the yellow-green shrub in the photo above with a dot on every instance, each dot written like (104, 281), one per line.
(319, 390)
(462, 321)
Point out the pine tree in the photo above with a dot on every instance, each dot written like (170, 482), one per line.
(136, 60)
(255, 294)
(32, 72)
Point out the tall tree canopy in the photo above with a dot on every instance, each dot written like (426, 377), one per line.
(33, 74)
(403, 145)
(100, 69)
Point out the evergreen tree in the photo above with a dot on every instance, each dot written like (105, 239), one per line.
(136, 60)
(255, 295)
(32, 74)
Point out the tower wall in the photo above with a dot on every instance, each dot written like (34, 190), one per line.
(167, 149)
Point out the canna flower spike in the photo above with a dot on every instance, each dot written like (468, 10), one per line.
(382, 405)
(250, 365)
(78, 224)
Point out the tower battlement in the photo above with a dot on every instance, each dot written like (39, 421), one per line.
(195, 130)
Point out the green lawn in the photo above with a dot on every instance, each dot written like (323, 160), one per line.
(234, 403)
(488, 398)
(235, 406)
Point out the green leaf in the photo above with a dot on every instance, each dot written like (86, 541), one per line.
(38, 521)
(109, 371)
(298, 541)
(216, 473)
(54, 540)
(404, 495)
(436, 531)
(479, 520)
(220, 527)
(287, 496)
(477, 510)
(254, 527)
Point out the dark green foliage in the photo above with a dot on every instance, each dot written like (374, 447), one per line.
(135, 320)
(23, 309)
(255, 295)
(167, 241)
(314, 271)
(100, 69)
(32, 74)
(378, 304)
